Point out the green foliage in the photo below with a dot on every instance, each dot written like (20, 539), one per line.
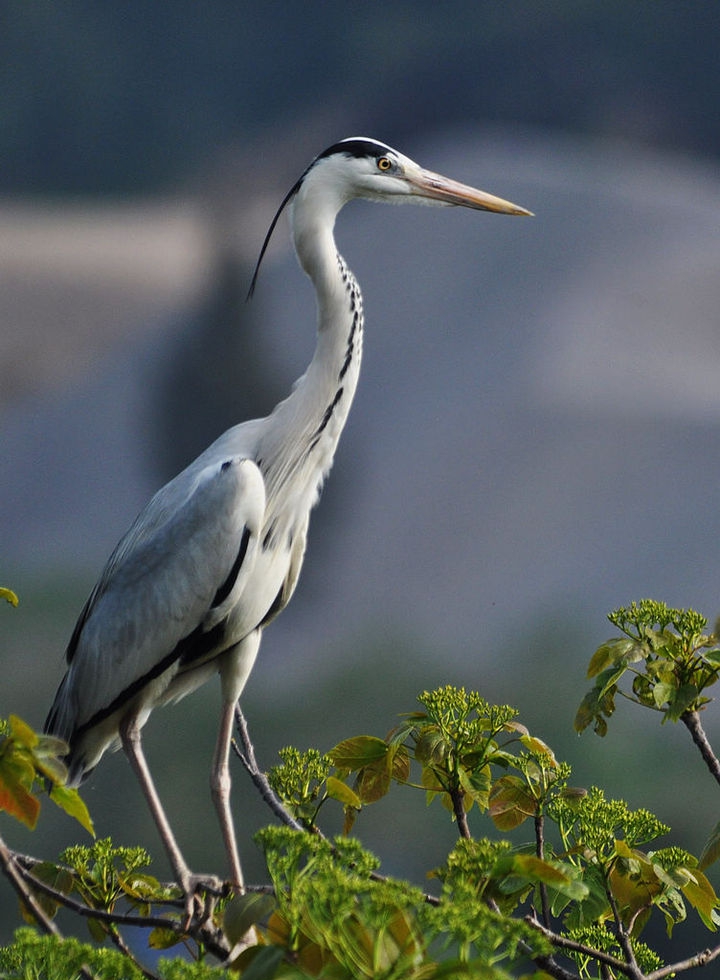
(602, 838)
(36, 957)
(103, 875)
(587, 866)
(670, 658)
(9, 596)
(602, 938)
(27, 758)
(589, 876)
(335, 918)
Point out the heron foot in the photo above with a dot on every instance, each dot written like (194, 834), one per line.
(201, 894)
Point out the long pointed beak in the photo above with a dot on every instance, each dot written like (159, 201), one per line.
(434, 187)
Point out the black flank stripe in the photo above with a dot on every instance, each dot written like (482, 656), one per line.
(226, 588)
(192, 647)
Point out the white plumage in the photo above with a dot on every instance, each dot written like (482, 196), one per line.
(216, 553)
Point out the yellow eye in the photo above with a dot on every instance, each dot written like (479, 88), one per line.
(384, 163)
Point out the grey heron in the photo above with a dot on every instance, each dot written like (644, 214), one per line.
(216, 553)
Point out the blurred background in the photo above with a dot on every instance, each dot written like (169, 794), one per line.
(535, 439)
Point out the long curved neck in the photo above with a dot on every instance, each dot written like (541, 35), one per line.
(303, 431)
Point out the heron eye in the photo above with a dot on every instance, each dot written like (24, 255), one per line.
(384, 163)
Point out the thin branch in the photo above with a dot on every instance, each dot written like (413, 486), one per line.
(246, 754)
(634, 970)
(456, 795)
(540, 852)
(16, 876)
(118, 940)
(14, 873)
(201, 933)
(691, 963)
(548, 965)
(562, 942)
(691, 720)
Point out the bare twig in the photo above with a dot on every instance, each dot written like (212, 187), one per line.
(540, 851)
(633, 970)
(562, 942)
(118, 940)
(14, 873)
(456, 795)
(553, 969)
(201, 933)
(246, 754)
(691, 720)
(691, 963)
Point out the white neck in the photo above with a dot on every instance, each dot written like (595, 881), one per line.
(301, 436)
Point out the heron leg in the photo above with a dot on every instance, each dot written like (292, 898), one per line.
(234, 668)
(130, 736)
(220, 784)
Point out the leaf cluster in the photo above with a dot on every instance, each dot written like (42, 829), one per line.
(335, 918)
(586, 866)
(569, 902)
(28, 759)
(35, 957)
(668, 655)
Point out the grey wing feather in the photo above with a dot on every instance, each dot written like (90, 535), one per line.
(159, 585)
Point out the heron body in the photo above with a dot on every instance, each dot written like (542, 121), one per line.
(217, 552)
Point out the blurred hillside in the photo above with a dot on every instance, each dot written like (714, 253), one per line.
(535, 436)
(107, 98)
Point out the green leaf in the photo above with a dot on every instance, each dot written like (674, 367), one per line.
(684, 698)
(141, 887)
(262, 963)
(15, 798)
(701, 895)
(711, 851)
(537, 747)
(536, 870)
(161, 938)
(23, 733)
(98, 930)
(373, 783)
(511, 803)
(477, 783)
(712, 657)
(663, 693)
(245, 911)
(72, 803)
(607, 680)
(609, 654)
(338, 790)
(354, 753)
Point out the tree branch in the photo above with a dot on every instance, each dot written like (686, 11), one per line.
(698, 960)
(15, 875)
(246, 755)
(540, 851)
(200, 933)
(691, 720)
(456, 795)
(561, 942)
(118, 940)
(634, 970)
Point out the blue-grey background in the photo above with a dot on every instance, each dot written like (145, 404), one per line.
(535, 438)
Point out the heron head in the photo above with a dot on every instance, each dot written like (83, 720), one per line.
(360, 167)
(367, 168)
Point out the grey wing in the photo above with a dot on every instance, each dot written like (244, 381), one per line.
(181, 566)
